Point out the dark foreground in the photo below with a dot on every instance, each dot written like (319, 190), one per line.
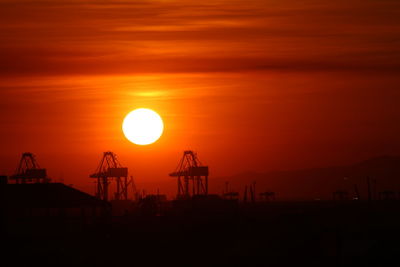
(269, 234)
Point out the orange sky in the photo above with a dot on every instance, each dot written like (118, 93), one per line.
(249, 85)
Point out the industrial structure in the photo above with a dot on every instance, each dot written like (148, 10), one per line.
(267, 195)
(109, 170)
(251, 190)
(231, 195)
(29, 171)
(192, 176)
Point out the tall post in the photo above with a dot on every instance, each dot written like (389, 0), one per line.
(126, 188)
(118, 193)
(193, 185)
(105, 188)
(186, 186)
(179, 186)
(206, 180)
(198, 183)
(99, 189)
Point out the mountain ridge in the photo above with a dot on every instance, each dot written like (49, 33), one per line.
(312, 183)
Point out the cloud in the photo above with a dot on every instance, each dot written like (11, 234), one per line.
(118, 37)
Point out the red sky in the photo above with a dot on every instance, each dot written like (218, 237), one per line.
(249, 85)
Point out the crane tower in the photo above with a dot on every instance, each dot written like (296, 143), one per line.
(192, 176)
(110, 169)
(29, 171)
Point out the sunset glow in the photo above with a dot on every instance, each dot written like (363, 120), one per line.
(200, 133)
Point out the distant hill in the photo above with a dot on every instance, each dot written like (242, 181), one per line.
(319, 183)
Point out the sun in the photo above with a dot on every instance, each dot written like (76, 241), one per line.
(142, 126)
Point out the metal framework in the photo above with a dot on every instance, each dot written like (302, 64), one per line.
(29, 171)
(192, 176)
(110, 169)
(267, 196)
(251, 189)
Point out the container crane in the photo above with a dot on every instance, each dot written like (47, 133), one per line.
(192, 176)
(108, 170)
(29, 171)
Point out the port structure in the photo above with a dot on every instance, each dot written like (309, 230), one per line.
(192, 176)
(29, 171)
(110, 170)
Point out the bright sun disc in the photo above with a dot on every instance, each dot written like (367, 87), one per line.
(142, 126)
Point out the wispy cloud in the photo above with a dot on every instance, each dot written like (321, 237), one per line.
(121, 37)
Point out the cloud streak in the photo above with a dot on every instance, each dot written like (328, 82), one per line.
(69, 38)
